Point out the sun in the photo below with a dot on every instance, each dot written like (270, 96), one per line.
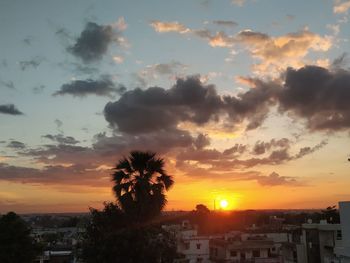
(223, 204)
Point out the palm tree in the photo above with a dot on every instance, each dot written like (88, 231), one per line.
(140, 182)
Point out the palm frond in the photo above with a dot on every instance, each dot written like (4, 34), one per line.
(167, 180)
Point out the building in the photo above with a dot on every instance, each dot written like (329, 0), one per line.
(320, 239)
(343, 250)
(245, 247)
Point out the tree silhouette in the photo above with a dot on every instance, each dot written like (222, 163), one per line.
(16, 244)
(124, 232)
(140, 182)
(331, 214)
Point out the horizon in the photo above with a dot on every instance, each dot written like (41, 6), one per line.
(247, 101)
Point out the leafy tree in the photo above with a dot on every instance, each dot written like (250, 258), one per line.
(124, 232)
(331, 214)
(202, 209)
(16, 244)
(140, 182)
(111, 238)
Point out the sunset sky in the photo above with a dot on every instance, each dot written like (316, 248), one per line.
(246, 100)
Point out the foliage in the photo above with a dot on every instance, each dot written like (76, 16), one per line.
(331, 214)
(16, 244)
(124, 232)
(140, 182)
(111, 238)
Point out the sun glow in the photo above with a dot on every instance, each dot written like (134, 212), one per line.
(223, 204)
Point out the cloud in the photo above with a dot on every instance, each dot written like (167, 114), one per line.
(120, 25)
(54, 174)
(59, 125)
(201, 141)
(8, 84)
(153, 72)
(274, 53)
(33, 63)
(38, 89)
(228, 23)
(118, 59)
(341, 7)
(238, 2)
(9, 109)
(237, 158)
(275, 179)
(81, 88)
(262, 147)
(189, 100)
(163, 27)
(16, 145)
(155, 108)
(61, 139)
(94, 41)
(308, 150)
(318, 95)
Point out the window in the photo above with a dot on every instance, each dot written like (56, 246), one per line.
(233, 253)
(199, 260)
(339, 235)
(198, 246)
(187, 246)
(256, 253)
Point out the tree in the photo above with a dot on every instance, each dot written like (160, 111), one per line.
(202, 209)
(110, 238)
(331, 214)
(124, 232)
(16, 244)
(140, 182)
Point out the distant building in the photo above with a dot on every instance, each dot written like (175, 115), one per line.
(235, 251)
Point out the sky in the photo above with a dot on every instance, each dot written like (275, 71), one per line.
(246, 100)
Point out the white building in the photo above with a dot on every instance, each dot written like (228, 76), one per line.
(343, 250)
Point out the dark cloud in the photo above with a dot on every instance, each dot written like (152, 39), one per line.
(275, 152)
(33, 63)
(236, 149)
(341, 62)
(81, 88)
(201, 141)
(55, 174)
(318, 95)
(308, 150)
(16, 145)
(61, 138)
(9, 109)
(93, 42)
(262, 147)
(155, 108)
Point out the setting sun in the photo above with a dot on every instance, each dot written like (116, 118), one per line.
(223, 204)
